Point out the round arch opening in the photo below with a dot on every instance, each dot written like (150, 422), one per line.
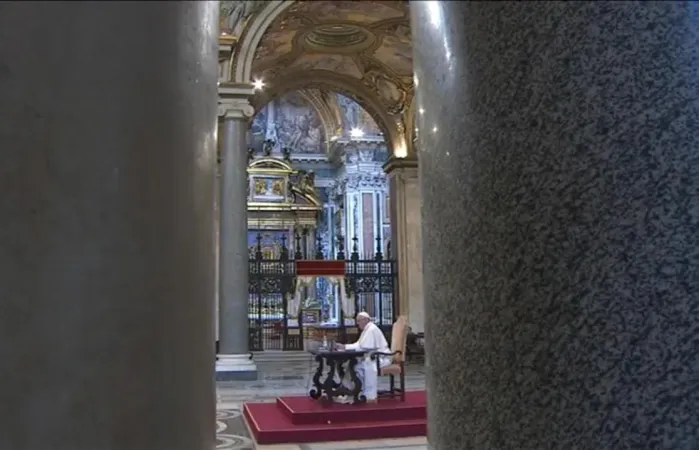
(335, 83)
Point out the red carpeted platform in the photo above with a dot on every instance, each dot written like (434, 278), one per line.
(302, 420)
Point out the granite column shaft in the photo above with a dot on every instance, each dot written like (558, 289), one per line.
(107, 137)
(234, 356)
(560, 182)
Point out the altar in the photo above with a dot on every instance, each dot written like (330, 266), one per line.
(283, 214)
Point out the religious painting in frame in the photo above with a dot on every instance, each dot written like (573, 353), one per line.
(268, 188)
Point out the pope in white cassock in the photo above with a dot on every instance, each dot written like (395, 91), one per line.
(371, 339)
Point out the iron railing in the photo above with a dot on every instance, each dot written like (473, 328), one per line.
(371, 282)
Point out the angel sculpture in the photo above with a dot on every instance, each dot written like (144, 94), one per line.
(267, 147)
(286, 151)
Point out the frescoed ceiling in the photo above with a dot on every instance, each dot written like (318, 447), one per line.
(365, 41)
(354, 117)
(309, 120)
(291, 122)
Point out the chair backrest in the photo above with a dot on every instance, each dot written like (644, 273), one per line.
(399, 337)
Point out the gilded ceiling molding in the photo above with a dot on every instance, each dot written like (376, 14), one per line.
(343, 84)
(241, 67)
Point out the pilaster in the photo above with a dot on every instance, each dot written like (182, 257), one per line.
(364, 185)
(406, 236)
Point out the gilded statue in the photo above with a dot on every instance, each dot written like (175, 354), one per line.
(307, 183)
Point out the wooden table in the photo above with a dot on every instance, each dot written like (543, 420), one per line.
(335, 361)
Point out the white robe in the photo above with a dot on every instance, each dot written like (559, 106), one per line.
(371, 339)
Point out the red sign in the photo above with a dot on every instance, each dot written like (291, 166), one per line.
(320, 268)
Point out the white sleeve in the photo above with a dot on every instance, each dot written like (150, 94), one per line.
(367, 341)
(352, 347)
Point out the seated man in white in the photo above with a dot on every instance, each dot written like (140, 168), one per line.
(371, 340)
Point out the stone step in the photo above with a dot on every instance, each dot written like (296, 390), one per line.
(280, 356)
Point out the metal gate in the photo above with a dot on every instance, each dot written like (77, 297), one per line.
(271, 281)
(371, 282)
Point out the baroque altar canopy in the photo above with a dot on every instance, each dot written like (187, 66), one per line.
(307, 271)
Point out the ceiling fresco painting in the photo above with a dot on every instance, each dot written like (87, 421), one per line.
(360, 49)
(396, 50)
(366, 29)
(336, 63)
(234, 15)
(291, 122)
(301, 120)
(364, 11)
(354, 117)
(366, 41)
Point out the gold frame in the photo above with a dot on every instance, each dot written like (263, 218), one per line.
(273, 215)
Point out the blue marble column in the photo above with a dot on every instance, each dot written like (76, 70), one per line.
(560, 180)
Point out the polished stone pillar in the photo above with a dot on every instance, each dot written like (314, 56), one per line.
(234, 359)
(406, 238)
(106, 163)
(560, 180)
(217, 233)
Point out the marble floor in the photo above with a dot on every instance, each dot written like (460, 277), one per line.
(291, 378)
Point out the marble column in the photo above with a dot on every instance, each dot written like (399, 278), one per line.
(106, 168)
(560, 180)
(217, 228)
(406, 238)
(234, 358)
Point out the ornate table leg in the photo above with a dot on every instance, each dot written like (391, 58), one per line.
(340, 373)
(357, 390)
(317, 390)
(329, 383)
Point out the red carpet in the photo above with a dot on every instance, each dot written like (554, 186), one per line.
(302, 420)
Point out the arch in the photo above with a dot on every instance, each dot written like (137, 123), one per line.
(270, 163)
(241, 68)
(343, 84)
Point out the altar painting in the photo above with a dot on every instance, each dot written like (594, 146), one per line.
(270, 189)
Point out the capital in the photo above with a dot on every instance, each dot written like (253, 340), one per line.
(235, 108)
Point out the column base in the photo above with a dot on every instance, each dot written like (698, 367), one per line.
(236, 367)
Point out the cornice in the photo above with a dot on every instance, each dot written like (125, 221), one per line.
(394, 164)
(235, 108)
